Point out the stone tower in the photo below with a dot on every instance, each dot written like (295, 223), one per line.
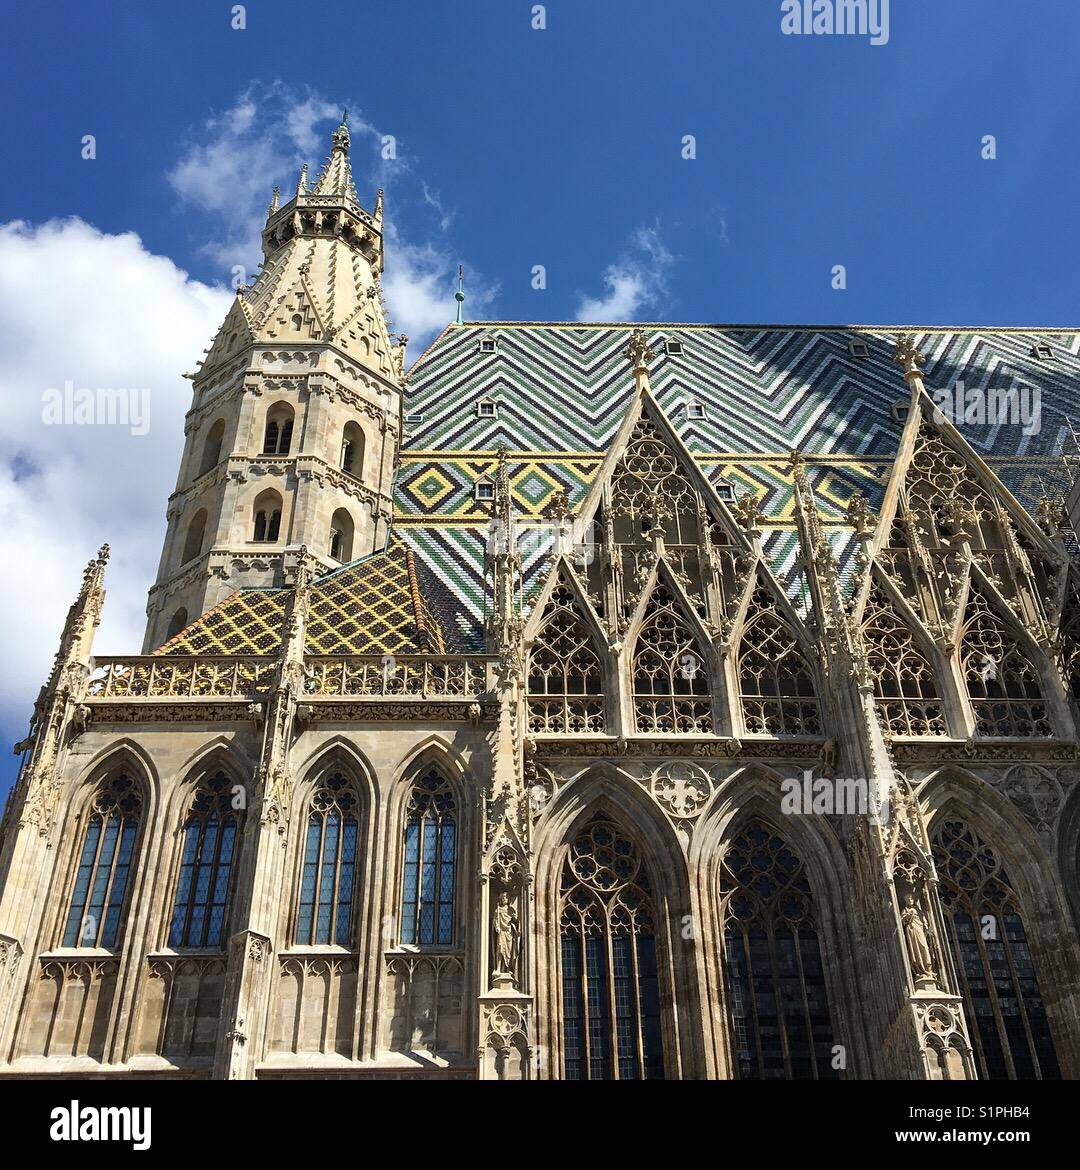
(295, 417)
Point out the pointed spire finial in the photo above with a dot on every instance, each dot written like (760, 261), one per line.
(340, 137)
(301, 183)
(275, 200)
(459, 296)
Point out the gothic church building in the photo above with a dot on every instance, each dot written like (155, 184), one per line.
(587, 702)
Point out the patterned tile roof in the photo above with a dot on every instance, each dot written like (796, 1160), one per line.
(375, 605)
(560, 393)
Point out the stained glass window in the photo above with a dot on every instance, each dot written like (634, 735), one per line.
(1005, 1010)
(610, 982)
(101, 880)
(206, 863)
(427, 902)
(328, 876)
(781, 1025)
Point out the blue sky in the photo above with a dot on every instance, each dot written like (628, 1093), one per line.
(516, 147)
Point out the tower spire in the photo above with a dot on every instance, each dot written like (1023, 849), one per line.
(459, 296)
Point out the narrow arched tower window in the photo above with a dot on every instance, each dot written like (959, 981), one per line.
(267, 522)
(352, 450)
(341, 536)
(609, 976)
(277, 437)
(211, 831)
(196, 534)
(99, 892)
(328, 877)
(211, 455)
(177, 622)
(781, 1026)
(1005, 1011)
(427, 898)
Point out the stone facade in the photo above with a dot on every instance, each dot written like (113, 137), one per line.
(665, 822)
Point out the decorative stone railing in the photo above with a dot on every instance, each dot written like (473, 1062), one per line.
(392, 676)
(180, 677)
(174, 677)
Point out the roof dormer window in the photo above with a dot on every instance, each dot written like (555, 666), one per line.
(484, 490)
(487, 408)
(672, 347)
(858, 349)
(1042, 351)
(696, 411)
(488, 345)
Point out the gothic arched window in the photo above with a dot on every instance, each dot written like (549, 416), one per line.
(211, 455)
(101, 881)
(905, 688)
(177, 622)
(671, 680)
(565, 674)
(341, 535)
(328, 878)
(206, 863)
(267, 512)
(1005, 1011)
(277, 437)
(193, 542)
(427, 897)
(781, 1025)
(352, 450)
(775, 680)
(1002, 682)
(610, 981)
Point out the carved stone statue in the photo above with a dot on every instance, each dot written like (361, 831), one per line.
(505, 938)
(918, 944)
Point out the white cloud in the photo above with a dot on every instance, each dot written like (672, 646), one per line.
(635, 283)
(98, 311)
(230, 164)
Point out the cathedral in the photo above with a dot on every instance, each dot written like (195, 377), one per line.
(581, 701)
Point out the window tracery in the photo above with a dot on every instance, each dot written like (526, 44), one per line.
(206, 863)
(328, 877)
(1002, 682)
(427, 900)
(985, 921)
(565, 673)
(101, 880)
(610, 980)
(671, 680)
(905, 686)
(778, 1003)
(775, 680)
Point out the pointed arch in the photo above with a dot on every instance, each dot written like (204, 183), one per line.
(101, 885)
(610, 979)
(211, 832)
(1003, 684)
(329, 870)
(776, 682)
(1070, 638)
(906, 690)
(605, 796)
(211, 452)
(566, 685)
(748, 797)
(196, 535)
(671, 686)
(778, 1003)
(985, 920)
(278, 430)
